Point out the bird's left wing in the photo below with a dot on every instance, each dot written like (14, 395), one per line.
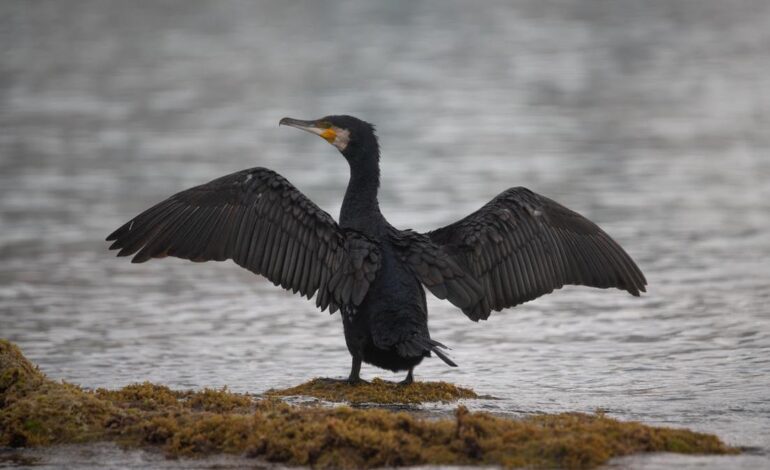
(262, 222)
(522, 245)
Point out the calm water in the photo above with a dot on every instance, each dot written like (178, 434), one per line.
(651, 118)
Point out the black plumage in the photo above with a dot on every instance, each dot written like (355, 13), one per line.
(517, 247)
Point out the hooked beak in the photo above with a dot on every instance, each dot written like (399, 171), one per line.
(314, 127)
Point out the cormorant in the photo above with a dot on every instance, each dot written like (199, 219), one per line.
(517, 247)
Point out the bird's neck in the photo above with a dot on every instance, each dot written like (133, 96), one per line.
(360, 208)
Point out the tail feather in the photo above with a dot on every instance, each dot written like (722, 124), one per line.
(416, 347)
(436, 349)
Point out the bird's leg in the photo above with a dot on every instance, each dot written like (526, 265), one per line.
(355, 369)
(409, 378)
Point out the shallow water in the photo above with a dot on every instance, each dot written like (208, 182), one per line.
(651, 119)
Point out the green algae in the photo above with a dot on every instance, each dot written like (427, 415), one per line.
(37, 411)
(377, 391)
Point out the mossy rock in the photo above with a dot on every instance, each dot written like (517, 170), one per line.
(377, 391)
(150, 397)
(35, 410)
(16, 372)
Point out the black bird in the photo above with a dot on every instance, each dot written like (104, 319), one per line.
(517, 247)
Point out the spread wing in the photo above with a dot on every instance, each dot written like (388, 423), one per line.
(262, 222)
(521, 245)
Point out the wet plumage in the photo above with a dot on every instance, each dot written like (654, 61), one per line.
(516, 248)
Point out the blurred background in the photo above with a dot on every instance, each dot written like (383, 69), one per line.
(651, 118)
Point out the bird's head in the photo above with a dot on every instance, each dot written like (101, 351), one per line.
(354, 138)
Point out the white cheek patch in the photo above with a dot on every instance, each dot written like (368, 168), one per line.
(341, 139)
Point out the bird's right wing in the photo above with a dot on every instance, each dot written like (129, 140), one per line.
(262, 222)
(522, 245)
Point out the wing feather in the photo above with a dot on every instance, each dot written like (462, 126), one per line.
(522, 245)
(263, 223)
(435, 269)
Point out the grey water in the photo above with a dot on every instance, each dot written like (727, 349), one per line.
(651, 118)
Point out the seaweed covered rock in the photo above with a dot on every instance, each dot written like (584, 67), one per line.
(17, 374)
(37, 411)
(150, 397)
(343, 437)
(377, 391)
